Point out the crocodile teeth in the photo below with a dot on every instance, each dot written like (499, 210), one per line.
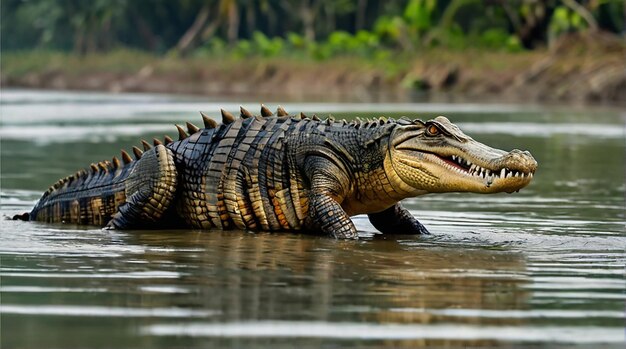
(472, 169)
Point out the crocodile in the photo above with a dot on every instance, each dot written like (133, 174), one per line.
(281, 172)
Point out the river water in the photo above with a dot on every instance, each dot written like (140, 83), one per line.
(541, 268)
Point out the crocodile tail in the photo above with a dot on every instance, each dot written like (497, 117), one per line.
(89, 196)
(129, 191)
(21, 217)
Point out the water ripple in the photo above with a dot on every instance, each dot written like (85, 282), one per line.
(371, 331)
(68, 310)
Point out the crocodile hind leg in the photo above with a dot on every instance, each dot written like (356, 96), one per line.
(149, 189)
(397, 220)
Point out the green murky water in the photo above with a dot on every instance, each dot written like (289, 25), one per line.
(541, 268)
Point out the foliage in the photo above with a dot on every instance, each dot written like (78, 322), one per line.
(565, 20)
(317, 29)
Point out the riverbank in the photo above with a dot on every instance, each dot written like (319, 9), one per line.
(578, 69)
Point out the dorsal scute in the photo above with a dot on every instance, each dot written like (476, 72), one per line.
(227, 117)
(115, 162)
(102, 166)
(191, 128)
(265, 112)
(70, 179)
(280, 111)
(126, 158)
(108, 165)
(208, 121)
(181, 133)
(330, 119)
(244, 113)
(146, 145)
(138, 153)
(357, 122)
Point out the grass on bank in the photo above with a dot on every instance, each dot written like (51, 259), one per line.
(18, 64)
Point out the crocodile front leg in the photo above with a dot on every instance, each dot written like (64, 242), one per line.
(397, 220)
(328, 215)
(328, 186)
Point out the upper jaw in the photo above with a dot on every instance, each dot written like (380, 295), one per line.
(515, 163)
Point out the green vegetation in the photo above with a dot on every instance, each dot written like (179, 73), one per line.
(120, 61)
(316, 29)
(525, 49)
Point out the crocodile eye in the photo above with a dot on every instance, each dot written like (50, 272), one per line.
(432, 130)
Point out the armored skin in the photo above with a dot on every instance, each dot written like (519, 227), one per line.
(284, 173)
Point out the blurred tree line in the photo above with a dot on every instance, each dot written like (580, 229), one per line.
(317, 28)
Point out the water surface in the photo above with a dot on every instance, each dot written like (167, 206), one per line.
(539, 268)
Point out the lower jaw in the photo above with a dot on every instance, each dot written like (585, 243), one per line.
(482, 186)
(474, 184)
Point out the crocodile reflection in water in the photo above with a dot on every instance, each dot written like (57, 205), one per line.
(268, 276)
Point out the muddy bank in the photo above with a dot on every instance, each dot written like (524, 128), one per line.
(580, 69)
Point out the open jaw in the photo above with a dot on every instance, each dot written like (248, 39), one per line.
(507, 173)
(466, 167)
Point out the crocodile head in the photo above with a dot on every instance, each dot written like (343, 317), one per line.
(436, 156)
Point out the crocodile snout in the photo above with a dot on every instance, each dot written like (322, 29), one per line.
(520, 160)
